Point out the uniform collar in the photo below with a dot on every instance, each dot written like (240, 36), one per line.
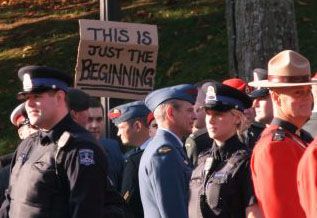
(54, 134)
(304, 135)
(225, 151)
(144, 145)
(178, 139)
(285, 125)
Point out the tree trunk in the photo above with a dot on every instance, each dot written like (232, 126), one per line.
(257, 30)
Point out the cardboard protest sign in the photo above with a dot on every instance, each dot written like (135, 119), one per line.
(116, 59)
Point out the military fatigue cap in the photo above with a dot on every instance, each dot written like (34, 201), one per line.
(78, 100)
(37, 79)
(221, 97)
(128, 111)
(185, 92)
(19, 116)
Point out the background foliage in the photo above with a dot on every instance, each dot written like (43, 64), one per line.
(192, 41)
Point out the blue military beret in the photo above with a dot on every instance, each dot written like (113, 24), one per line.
(221, 97)
(38, 79)
(128, 111)
(185, 92)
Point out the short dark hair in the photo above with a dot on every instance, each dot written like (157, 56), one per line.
(94, 102)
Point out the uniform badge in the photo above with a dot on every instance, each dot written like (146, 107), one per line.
(27, 82)
(210, 94)
(208, 164)
(86, 157)
(187, 145)
(279, 135)
(126, 195)
(164, 150)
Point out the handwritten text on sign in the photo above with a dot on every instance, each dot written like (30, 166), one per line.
(116, 59)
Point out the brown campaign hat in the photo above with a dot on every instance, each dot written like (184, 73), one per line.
(287, 68)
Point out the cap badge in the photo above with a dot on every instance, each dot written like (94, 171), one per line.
(115, 113)
(27, 82)
(210, 94)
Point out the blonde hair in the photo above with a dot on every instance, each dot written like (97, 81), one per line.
(243, 124)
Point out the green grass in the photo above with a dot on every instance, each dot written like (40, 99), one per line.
(192, 42)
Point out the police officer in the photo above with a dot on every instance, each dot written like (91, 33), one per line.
(164, 170)
(198, 141)
(133, 129)
(58, 171)
(276, 155)
(21, 121)
(263, 107)
(221, 184)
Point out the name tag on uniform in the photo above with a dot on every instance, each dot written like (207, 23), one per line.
(219, 175)
(86, 157)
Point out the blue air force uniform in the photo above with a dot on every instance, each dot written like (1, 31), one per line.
(164, 170)
(164, 175)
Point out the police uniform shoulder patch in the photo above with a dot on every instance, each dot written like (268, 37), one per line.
(86, 157)
(279, 135)
(164, 149)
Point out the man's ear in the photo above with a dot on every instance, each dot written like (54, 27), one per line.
(276, 97)
(170, 112)
(137, 125)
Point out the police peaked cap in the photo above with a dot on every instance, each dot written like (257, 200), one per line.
(128, 111)
(37, 79)
(258, 93)
(220, 97)
(185, 92)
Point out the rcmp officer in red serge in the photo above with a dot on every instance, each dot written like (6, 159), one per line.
(277, 153)
(164, 170)
(131, 121)
(58, 171)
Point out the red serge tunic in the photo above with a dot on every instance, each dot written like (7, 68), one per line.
(274, 167)
(307, 180)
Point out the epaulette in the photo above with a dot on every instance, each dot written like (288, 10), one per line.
(198, 133)
(62, 141)
(279, 135)
(164, 150)
(133, 153)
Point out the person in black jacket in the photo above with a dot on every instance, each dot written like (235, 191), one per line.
(58, 171)
(221, 184)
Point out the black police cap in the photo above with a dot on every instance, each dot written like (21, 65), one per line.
(42, 78)
(221, 97)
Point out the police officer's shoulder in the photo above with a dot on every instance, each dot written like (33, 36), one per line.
(133, 154)
(164, 150)
(278, 134)
(197, 133)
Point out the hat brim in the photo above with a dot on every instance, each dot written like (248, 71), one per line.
(269, 84)
(217, 107)
(21, 95)
(262, 92)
